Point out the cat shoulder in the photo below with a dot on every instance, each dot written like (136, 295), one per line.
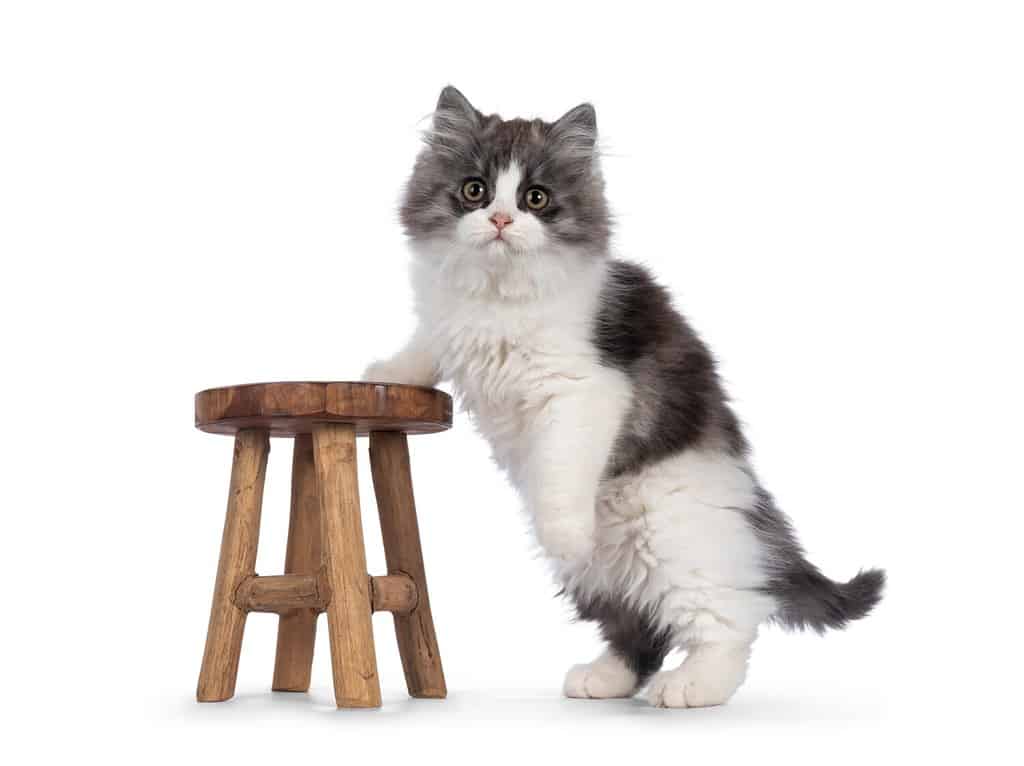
(635, 313)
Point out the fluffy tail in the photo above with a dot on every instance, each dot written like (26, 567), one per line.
(808, 599)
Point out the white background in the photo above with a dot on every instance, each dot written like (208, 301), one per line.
(196, 194)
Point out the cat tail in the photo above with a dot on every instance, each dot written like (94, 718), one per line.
(808, 599)
(805, 597)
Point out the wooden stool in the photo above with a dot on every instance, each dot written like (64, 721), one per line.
(325, 563)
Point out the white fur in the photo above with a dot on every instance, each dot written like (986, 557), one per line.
(674, 536)
(604, 678)
(710, 675)
(509, 323)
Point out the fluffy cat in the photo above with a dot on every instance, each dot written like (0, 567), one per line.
(603, 407)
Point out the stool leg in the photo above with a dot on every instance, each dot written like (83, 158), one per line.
(296, 632)
(348, 614)
(392, 483)
(237, 561)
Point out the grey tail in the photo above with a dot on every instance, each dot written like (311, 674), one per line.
(808, 599)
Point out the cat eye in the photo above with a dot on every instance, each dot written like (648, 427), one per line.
(473, 190)
(536, 198)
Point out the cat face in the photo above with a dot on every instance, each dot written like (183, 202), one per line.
(492, 191)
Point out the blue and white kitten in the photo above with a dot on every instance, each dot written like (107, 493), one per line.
(603, 407)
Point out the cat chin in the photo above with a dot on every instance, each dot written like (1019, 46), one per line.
(497, 248)
(500, 270)
(482, 247)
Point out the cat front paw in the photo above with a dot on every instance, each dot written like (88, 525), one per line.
(566, 537)
(382, 371)
(393, 371)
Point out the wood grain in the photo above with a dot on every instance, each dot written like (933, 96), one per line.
(237, 561)
(392, 483)
(286, 594)
(283, 594)
(287, 409)
(353, 658)
(296, 631)
(393, 593)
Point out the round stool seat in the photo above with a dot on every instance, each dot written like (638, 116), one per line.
(289, 409)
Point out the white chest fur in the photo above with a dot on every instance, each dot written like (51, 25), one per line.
(508, 359)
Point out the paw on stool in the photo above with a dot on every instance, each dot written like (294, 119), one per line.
(325, 562)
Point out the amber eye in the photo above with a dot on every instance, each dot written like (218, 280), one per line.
(536, 198)
(473, 190)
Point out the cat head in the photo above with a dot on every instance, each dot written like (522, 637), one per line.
(507, 205)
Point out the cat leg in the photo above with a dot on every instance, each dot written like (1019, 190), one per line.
(414, 365)
(710, 675)
(570, 441)
(606, 677)
(637, 645)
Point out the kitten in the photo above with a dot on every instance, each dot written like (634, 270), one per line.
(603, 407)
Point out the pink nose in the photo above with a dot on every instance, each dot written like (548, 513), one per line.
(500, 220)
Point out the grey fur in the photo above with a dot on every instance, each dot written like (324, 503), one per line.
(679, 400)
(807, 599)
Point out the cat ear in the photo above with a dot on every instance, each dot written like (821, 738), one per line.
(582, 118)
(451, 99)
(454, 108)
(576, 130)
(454, 124)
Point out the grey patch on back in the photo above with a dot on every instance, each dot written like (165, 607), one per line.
(561, 157)
(679, 401)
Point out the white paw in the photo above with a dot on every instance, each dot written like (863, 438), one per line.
(390, 371)
(695, 684)
(600, 679)
(382, 371)
(566, 536)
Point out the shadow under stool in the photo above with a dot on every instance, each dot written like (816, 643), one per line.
(325, 562)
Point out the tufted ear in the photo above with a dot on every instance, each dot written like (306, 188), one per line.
(453, 107)
(577, 126)
(581, 118)
(452, 130)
